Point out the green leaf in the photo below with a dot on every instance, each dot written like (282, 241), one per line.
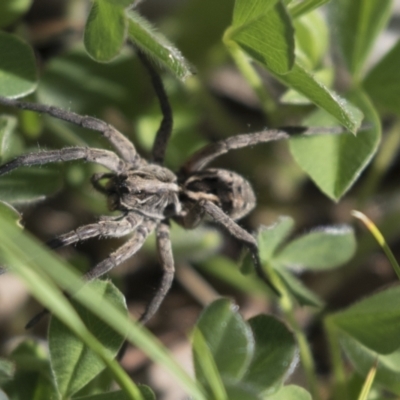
(324, 75)
(305, 6)
(10, 213)
(324, 248)
(226, 270)
(263, 29)
(388, 369)
(18, 75)
(269, 238)
(120, 3)
(7, 126)
(312, 39)
(206, 369)
(374, 321)
(382, 83)
(157, 46)
(194, 245)
(7, 370)
(32, 379)
(304, 296)
(39, 273)
(334, 162)
(28, 185)
(305, 83)
(228, 337)
(105, 30)
(73, 363)
(237, 392)
(11, 10)
(291, 392)
(275, 354)
(358, 23)
(146, 392)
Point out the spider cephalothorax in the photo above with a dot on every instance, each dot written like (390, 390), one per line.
(148, 194)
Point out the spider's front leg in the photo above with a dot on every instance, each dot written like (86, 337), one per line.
(126, 251)
(104, 228)
(239, 233)
(99, 156)
(121, 143)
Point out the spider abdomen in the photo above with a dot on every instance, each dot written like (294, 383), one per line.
(226, 189)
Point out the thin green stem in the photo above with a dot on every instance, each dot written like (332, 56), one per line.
(340, 387)
(306, 357)
(380, 239)
(250, 74)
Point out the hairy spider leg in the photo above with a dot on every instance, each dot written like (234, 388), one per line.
(165, 129)
(99, 156)
(122, 145)
(239, 233)
(110, 228)
(124, 252)
(208, 153)
(164, 248)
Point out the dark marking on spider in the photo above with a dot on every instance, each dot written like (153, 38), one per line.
(148, 194)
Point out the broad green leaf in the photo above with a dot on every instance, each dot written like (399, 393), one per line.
(32, 379)
(304, 296)
(383, 84)
(263, 29)
(10, 213)
(156, 46)
(206, 369)
(226, 270)
(7, 126)
(39, 272)
(335, 162)
(373, 321)
(120, 3)
(228, 337)
(28, 185)
(238, 392)
(73, 363)
(291, 392)
(363, 359)
(312, 39)
(305, 83)
(357, 24)
(275, 354)
(105, 30)
(195, 245)
(269, 238)
(247, 11)
(7, 370)
(11, 10)
(324, 75)
(324, 248)
(17, 67)
(146, 392)
(305, 6)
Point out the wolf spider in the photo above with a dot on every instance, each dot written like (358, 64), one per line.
(148, 195)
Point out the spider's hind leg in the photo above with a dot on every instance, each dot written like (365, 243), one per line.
(239, 233)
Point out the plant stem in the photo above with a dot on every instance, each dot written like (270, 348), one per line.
(306, 357)
(250, 74)
(340, 392)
